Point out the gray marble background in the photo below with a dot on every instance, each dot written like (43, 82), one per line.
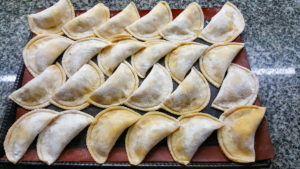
(271, 38)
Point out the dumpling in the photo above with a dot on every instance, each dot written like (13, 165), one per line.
(187, 26)
(22, 133)
(80, 53)
(155, 50)
(146, 133)
(240, 87)
(182, 59)
(236, 138)
(115, 26)
(37, 92)
(106, 129)
(148, 27)
(41, 51)
(110, 57)
(117, 88)
(153, 91)
(51, 20)
(82, 26)
(215, 61)
(54, 138)
(225, 26)
(191, 96)
(74, 94)
(194, 129)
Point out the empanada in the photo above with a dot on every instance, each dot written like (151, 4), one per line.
(153, 91)
(106, 129)
(236, 138)
(215, 61)
(37, 92)
(149, 130)
(240, 87)
(51, 20)
(191, 96)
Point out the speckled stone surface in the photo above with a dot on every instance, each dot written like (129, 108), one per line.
(271, 38)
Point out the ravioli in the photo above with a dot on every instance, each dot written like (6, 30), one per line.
(215, 61)
(153, 91)
(51, 20)
(225, 26)
(103, 133)
(148, 27)
(82, 26)
(240, 87)
(191, 96)
(41, 51)
(187, 26)
(37, 92)
(236, 138)
(149, 130)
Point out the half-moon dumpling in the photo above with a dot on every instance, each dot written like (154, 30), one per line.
(80, 53)
(182, 59)
(225, 26)
(51, 20)
(74, 94)
(22, 133)
(240, 87)
(82, 26)
(54, 138)
(187, 26)
(191, 96)
(117, 88)
(215, 61)
(153, 91)
(110, 57)
(41, 51)
(37, 92)
(115, 26)
(148, 27)
(106, 129)
(194, 129)
(146, 133)
(146, 58)
(236, 138)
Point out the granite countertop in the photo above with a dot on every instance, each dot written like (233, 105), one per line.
(271, 38)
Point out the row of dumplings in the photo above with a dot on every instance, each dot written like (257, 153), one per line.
(60, 19)
(236, 131)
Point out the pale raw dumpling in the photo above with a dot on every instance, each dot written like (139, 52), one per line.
(117, 88)
(110, 57)
(54, 138)
(191, 96)
(149, 130)
(51, 20)
(194, 129)
(237, 137)
(187, 26)
(106, 129)
(225, 26)
(146, 58)
(240, 87)
(82, 26)
(80, 53)
(215, 61)
(37, 92)
(22, 133)
(115, 26)
(153, 91)
(182, 59)
(148, 27)
(74, 94)
(41, 51)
